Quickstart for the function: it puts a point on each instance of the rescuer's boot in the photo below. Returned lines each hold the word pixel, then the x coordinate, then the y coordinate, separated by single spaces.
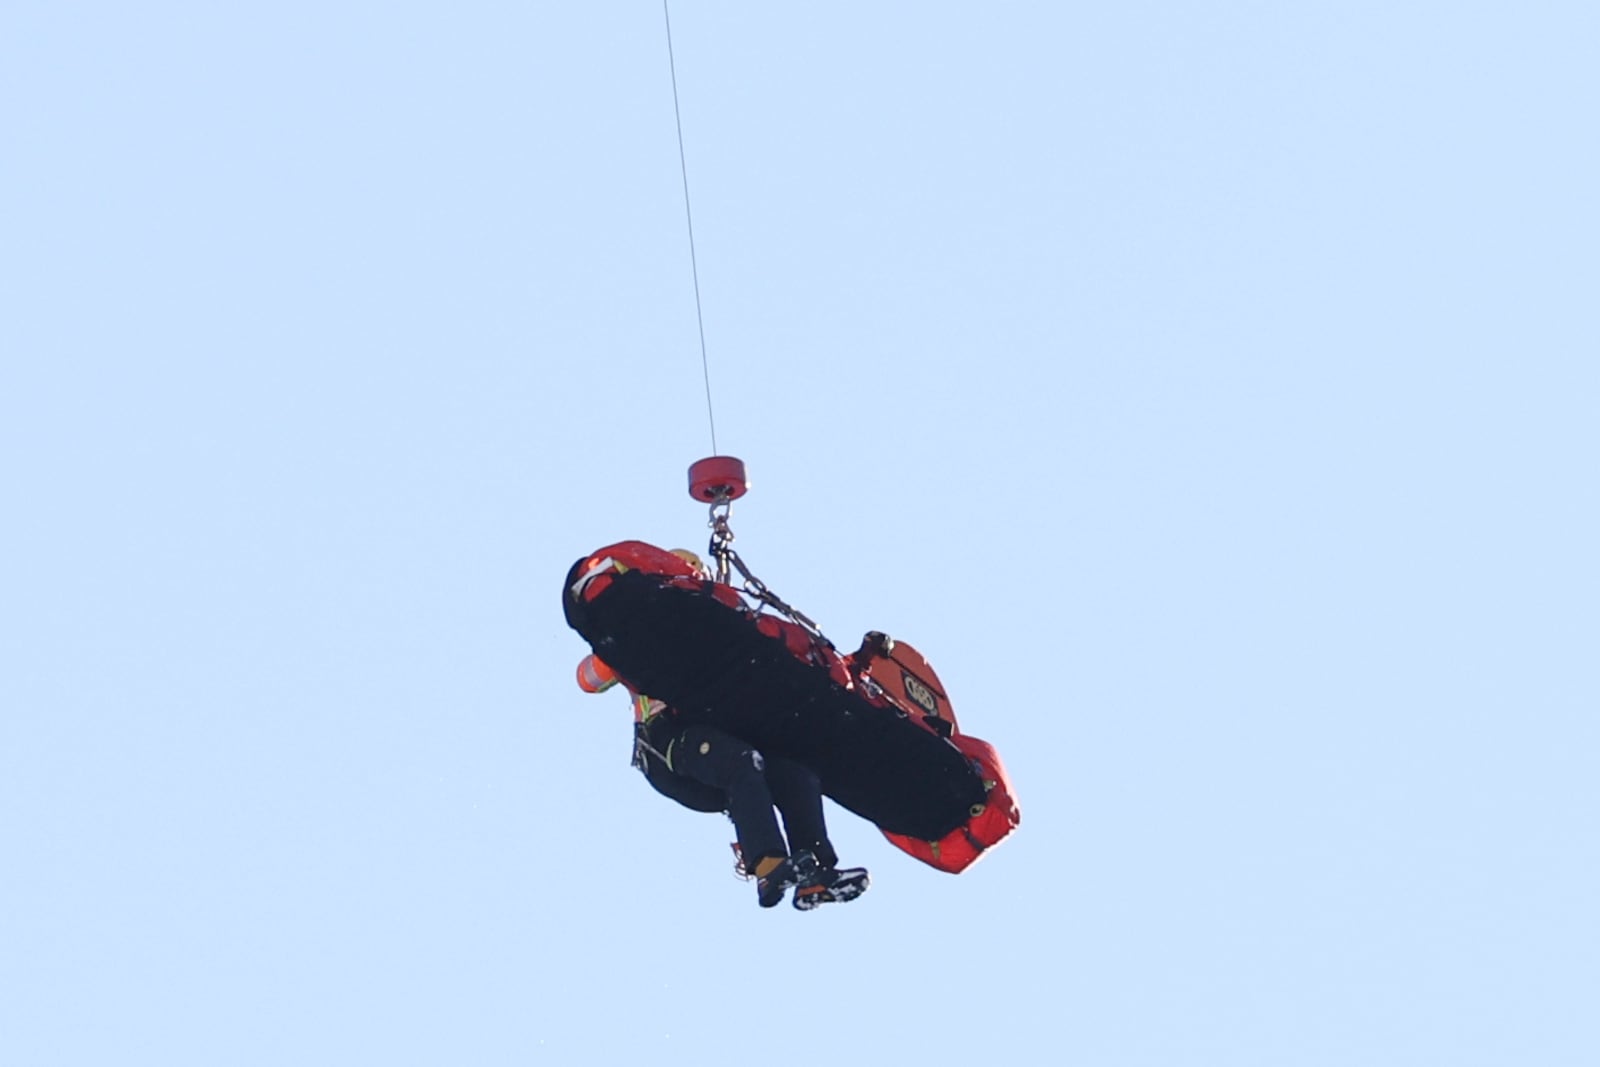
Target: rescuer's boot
pixel 828 885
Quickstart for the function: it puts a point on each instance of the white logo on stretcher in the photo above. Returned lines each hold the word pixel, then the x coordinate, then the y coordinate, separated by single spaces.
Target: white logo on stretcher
pixel 924 697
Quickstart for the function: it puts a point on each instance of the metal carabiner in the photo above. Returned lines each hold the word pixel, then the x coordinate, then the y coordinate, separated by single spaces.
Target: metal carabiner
pixel 721 539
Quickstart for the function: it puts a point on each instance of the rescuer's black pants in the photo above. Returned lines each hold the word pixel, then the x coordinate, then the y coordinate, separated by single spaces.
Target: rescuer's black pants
pixel 713 771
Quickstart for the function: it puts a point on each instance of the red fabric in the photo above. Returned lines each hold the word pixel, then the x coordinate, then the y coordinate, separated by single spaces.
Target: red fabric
pixel 633 556
pixel 802 646
pixel 637 555
pixel 961 847
pixel 794 638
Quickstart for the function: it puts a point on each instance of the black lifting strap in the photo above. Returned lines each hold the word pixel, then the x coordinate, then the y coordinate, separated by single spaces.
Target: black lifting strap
pixel 723 552
pixel 642 746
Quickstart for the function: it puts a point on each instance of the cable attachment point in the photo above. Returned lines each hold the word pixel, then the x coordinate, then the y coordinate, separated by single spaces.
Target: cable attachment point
pixel 717 479
pixel 722 540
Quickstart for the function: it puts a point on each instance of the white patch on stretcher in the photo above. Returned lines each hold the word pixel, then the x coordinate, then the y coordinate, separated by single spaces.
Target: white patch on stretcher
pixel 594 571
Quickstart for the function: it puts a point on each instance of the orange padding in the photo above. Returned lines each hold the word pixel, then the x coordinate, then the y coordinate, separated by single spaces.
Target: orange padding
pixel 962 847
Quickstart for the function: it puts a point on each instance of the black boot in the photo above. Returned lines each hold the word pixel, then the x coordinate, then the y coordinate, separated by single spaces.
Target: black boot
pixel 828 885
pixel 780 874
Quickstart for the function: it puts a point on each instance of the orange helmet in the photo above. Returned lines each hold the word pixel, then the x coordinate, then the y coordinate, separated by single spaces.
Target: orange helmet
pixel 594 676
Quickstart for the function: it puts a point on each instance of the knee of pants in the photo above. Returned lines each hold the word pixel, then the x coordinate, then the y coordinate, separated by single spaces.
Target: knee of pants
pixel 717 758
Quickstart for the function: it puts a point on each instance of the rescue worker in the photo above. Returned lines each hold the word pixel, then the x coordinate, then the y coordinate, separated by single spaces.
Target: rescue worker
pixel 706 769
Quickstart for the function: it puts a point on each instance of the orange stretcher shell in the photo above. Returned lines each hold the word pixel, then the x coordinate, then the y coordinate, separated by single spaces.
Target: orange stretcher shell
pixel 876 726
pixel 908 682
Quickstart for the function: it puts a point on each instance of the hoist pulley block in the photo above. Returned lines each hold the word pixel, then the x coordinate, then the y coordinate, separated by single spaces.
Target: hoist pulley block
pixel 717 479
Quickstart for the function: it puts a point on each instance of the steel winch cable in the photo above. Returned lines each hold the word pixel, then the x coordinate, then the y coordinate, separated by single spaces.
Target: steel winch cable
pixel 694 266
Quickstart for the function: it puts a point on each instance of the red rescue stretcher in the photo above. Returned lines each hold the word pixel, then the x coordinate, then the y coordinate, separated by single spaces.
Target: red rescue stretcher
pixel 877 725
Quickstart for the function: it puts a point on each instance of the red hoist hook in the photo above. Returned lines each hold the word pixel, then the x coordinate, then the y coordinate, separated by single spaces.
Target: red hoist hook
pixel 719 481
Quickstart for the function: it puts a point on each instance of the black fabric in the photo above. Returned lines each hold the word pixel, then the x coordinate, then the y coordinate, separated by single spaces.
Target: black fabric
pixel 797 792
pixel 571 607
pixel 709 662
pixel 710 757
pixel 710 783
pixel 694 795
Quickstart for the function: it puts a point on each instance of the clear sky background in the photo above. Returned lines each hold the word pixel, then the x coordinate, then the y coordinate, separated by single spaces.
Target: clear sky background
pixel 1209 390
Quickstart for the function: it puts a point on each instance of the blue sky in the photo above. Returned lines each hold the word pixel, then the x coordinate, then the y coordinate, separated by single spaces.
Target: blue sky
pixel 1209 391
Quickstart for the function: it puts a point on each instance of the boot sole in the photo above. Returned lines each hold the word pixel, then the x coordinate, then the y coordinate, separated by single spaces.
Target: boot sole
pixel 808 899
